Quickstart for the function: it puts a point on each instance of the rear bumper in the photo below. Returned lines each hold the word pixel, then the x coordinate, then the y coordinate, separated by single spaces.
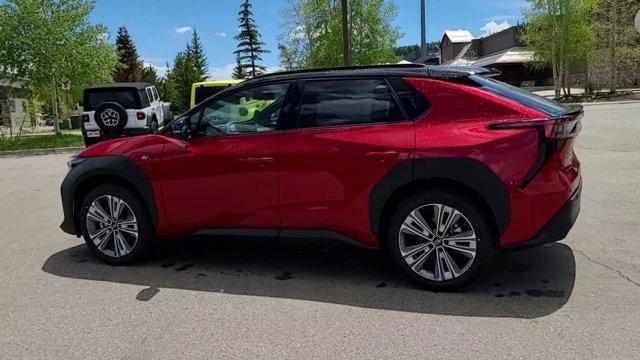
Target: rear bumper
pixel 557 228
pixel 125 132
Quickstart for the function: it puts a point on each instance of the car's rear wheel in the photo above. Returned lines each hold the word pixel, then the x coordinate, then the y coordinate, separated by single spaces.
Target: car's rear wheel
pixel 440 239
pixel 116 225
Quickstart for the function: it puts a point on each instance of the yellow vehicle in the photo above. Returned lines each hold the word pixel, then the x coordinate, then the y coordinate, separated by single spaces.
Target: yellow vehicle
pixel 202 90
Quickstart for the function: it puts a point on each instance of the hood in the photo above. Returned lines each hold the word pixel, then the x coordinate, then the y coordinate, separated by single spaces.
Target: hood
pixel 122 146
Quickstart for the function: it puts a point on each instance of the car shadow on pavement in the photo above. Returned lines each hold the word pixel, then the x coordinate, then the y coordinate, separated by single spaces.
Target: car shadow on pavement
pixel 526 284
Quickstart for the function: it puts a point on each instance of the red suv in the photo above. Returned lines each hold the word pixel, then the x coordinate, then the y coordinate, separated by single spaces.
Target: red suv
pixel 439 166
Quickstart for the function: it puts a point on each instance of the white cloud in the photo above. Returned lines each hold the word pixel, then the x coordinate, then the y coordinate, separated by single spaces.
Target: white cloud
pixel 493 27
pixel 161 70
pixel 220 34
pixel 225 72
pixel 183 29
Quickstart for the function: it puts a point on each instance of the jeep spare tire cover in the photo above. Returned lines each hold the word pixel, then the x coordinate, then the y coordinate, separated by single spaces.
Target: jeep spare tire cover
pixel 111 118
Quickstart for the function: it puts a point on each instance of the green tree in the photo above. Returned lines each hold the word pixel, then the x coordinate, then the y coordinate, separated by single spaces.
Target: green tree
pixel 561 35
pixel 250 48
pixel 312 33
pixel 189 67
pixel 197 58
pixel 49 42
pixel 238 69
pixel 129 67
pixel 150 75
pixel 616 34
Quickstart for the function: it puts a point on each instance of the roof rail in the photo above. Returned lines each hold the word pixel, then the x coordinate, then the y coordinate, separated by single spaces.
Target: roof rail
pixel 447 71
pixel 344 68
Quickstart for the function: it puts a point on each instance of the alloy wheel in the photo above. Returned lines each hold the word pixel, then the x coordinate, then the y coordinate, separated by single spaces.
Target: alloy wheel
pixel 437 242
pixel 112 226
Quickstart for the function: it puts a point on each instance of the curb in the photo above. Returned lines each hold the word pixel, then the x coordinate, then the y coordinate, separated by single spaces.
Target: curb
pixel 33 152
pixel 621 102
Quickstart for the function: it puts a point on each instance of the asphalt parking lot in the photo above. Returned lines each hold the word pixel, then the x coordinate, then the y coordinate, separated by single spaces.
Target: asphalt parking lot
pixel 210 298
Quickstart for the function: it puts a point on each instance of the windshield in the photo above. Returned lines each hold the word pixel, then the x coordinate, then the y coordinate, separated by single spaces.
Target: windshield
pixel 520 96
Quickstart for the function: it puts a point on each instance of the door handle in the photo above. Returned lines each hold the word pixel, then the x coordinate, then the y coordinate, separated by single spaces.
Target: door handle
pixel 259 160
pixel 383 154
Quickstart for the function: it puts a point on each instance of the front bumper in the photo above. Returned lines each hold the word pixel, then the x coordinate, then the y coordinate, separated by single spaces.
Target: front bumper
pixel 557 228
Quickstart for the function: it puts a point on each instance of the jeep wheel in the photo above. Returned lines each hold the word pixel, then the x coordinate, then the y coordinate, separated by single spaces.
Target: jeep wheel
pixel 111 118
pixel 440 239
pixel 116 225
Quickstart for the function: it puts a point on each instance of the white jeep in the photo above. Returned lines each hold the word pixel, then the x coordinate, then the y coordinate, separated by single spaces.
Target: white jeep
pixel 122 109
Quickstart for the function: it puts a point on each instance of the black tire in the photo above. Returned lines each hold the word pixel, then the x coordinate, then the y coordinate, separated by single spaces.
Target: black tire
pixel 146 233
pixel 111 118
pixel 153 127
pixel 474 216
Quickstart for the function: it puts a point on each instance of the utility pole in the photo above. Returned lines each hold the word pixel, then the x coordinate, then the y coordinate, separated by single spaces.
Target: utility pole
pixel 54 106
pixel 423 31
pixel 345 33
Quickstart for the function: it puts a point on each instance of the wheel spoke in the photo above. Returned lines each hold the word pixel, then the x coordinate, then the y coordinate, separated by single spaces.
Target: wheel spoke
pixel 438 272
pixel 102 241
pixel 121 245
pixel 417 264
pixel 412 250
pixel 453 217
pixel 451 264
pixel 98 214
pixel 116 206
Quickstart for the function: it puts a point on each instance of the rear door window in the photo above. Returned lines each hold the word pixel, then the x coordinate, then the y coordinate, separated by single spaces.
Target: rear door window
pixel 96 97
pixel 520 96
pixel 412 101
pixel 347 102
pixel 144 99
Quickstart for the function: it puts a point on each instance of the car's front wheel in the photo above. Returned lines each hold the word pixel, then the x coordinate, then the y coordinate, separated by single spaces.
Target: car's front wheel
pixel 440 239
pixel 116 225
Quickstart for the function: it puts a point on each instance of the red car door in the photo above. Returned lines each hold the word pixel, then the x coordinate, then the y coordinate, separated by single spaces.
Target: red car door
pixel 347 135
pixel 226 177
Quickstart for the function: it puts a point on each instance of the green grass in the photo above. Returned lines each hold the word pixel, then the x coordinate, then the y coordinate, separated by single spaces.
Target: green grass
pixel 41 142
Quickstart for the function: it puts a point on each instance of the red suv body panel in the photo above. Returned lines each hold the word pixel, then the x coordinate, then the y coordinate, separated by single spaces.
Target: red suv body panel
pixel 323 178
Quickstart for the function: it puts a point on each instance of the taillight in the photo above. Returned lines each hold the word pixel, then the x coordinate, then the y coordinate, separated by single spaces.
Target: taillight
pixel 85 118
pixel 141 116
pixel 554 133
pixel 560 127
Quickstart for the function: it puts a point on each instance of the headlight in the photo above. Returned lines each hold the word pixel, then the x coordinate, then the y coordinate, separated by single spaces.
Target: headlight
pixel 75 161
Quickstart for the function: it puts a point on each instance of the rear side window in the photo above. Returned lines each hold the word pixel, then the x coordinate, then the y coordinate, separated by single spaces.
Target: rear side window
pixel 347 102
pixel 96 97
pixel 412 101
pixel 155 93
pixel 520 96
pixel 144 99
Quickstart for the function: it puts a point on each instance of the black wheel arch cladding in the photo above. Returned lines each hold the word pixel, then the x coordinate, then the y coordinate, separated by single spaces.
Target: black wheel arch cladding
pixel 101 169
pixel 468 172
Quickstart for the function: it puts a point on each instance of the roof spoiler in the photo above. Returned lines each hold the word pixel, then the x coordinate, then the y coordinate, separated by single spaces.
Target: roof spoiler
pixel 448 72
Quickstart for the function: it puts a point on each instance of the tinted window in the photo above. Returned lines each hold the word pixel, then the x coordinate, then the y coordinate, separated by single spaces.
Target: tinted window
pixel 150 95
pixel 412 101
pixel 246 111
pixel 144 99
pixel 205 92
pixel 347 102
pixel 96 97
pixel 520 96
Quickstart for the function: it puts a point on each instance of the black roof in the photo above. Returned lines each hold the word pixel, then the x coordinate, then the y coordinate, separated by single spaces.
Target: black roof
pixel 404 70
pixel 129 85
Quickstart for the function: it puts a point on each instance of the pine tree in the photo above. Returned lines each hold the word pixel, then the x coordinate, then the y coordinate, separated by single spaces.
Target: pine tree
pixel 238 70
pixel 129 67
pixel 197 58
pixel 150 75
pixel 249 46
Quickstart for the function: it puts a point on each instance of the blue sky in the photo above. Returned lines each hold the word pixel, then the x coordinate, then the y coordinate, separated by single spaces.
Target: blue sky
pixel 161 28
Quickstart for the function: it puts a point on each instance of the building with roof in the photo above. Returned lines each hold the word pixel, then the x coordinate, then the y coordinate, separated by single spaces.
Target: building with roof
pixel 503 51
pixel 14 102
